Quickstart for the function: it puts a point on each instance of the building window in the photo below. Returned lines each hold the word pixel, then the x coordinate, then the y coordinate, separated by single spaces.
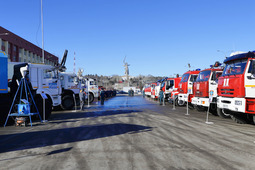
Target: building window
pixel 3 45
pixel 14 57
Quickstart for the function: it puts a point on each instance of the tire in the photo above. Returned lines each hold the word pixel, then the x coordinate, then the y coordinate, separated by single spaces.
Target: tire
pixel 180 103
pixel 199 108
pixel 238 118
pixel 213 109
pixel 67 102
pixel 221 114
pixel 91 97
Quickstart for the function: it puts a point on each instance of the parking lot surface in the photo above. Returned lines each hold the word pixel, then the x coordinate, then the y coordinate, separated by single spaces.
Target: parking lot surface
pixel 129 133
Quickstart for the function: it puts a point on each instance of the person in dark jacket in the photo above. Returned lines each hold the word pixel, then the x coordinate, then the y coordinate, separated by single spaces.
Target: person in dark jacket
pixel 102 96
pixel 161 96
pixel 82 98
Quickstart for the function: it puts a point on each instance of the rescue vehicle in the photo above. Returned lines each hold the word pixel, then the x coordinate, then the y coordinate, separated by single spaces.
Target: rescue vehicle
pixel 70 90
pixel 168 85
pixel 147 90
pixel 236 88
pixel 205 89
pixel 185 91
pixel 42 79
pixel 153 89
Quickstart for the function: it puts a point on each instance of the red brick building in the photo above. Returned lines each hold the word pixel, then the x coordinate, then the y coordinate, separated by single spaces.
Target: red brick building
pixel 21 50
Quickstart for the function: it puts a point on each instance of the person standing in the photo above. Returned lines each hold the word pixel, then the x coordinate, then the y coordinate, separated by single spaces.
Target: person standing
pixel 143 94
pixel 82 98
pixel 161 96
pixel 102 95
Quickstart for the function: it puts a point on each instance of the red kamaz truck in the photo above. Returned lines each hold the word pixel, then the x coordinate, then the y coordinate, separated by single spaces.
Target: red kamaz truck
pixel 236 88
pixel 186 87
pixel 168 85
pixel 205 88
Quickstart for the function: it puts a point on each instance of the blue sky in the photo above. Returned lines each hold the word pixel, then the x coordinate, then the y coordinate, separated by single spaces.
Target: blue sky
pixel 159 37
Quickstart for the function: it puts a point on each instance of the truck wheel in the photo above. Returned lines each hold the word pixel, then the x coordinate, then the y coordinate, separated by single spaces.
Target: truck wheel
pixel 67 103
pixel 221 114
pixel 199 108
pixel 239 118
pixel 181 103
pixel 213 109
pixel 91 97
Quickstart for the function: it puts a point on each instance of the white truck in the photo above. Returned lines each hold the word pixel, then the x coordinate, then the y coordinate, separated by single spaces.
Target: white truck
pixel 70 90
pixel 92 88
pixel 41 78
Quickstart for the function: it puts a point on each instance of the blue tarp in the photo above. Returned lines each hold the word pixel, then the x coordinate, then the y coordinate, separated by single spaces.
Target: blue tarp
pixel 3 73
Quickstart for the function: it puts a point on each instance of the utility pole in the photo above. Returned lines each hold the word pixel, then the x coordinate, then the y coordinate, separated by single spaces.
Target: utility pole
pixel 42 31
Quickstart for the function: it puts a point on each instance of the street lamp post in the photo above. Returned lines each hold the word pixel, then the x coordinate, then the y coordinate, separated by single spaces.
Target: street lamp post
pixel 42 31
pixel 224 52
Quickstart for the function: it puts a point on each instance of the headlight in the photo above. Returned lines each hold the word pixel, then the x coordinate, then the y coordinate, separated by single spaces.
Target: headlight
pixel 238 102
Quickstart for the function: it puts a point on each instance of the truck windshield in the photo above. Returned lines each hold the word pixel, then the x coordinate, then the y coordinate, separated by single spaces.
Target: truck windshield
pixel 71 79
pixel 234 68
pixel 185 78
pixel 193 78
pixel 204 76
pixel 170 84
pixel 93 83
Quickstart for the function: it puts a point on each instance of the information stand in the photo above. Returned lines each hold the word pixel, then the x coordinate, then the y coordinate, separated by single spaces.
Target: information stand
pixel 207 114
pixel 187 105
pixel 74 103
pixel 174 101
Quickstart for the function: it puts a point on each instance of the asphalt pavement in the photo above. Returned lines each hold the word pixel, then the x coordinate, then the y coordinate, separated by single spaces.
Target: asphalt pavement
pixel 129 133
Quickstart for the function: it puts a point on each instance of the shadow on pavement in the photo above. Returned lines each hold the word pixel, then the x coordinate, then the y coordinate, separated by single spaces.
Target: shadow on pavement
pixel 30 140
pixel 77 115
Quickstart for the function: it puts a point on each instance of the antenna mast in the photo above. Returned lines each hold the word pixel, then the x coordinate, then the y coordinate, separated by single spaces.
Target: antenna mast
pixel 74 63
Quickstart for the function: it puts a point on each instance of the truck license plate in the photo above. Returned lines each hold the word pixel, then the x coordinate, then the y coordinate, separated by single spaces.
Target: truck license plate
pixel 225 106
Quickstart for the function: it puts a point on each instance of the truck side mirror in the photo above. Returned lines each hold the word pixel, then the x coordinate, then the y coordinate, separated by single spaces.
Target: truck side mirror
pixel 76 80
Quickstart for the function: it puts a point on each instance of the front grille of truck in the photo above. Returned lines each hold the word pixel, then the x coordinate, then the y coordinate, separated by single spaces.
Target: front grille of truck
pixel 227 91
pixel 199 94
pixel 226 101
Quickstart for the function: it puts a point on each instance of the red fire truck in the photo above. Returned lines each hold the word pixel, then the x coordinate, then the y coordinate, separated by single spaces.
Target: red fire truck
pixel 205 88
pixel 154 87
pixel 149 89
pixel 236 88
pixel 186 87
pixel 168 85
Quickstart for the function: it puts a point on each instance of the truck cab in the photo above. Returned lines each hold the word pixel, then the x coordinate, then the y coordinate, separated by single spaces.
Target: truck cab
pixel 92 88
pixel 186 87
pixel 70 90
pixel 147 90
pixel 169 85
pixel 153 89
pixel 42 79
pixel 236 88
pixel 205 89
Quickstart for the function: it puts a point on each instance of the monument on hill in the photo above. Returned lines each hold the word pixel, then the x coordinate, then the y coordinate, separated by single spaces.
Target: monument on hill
pixel 126 70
